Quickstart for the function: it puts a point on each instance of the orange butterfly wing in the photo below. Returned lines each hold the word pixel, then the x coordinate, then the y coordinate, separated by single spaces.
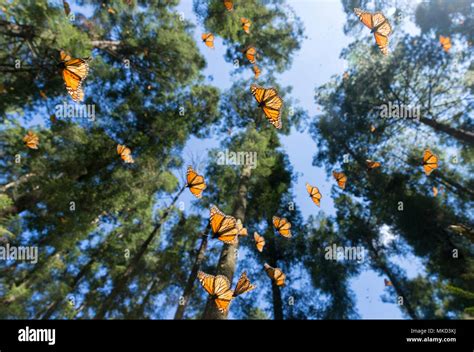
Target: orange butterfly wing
pixel 245 24
pixel 372 164
pixel 259 241
pixel 243 285
pixel 208 39
pixel 256 71
pixel 218 287
pixel 276 274
pixel 195 182
pixel 229 5
pixel 283 226
pixel 364 17
pixel 251 54
pixel 125 153
pixel 430 162
pixel 270 102
pixel 31 140
pixel 223 226
pixel 341 179
pixel 314 194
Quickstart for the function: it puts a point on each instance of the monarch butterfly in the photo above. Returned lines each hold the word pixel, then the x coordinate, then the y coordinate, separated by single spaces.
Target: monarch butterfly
pixel 270 102
pixel 208 39
pixel 372 128
pixel 314 194
pixel 243 285
pixel 67 8
pixel 372 164
pixel 283 226
pixel 241 230
pixel 387 282
pixel 229 5
pixel 251 54
pixel 378 25
pixel 259 241
pixel 223 226
pixel 218 287
pixel 445 43
pixel 345 76
pixel 31 140
pixel 430 162
pixel 74 71
pixel 245 24
pixel 43 95
pixel 341 179
pixel 275 274
pixel 256 71
pixel 195 182
pixel 125 153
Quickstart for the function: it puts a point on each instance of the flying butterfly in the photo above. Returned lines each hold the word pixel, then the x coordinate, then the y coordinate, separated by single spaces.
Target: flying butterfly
pixel 208 39
pixel 125 153
pixel 243 285
pixel 314 194
pixel 223 226
pixel 195 182
pixel 430 162
pixel 282 225
pixel 270 102
pixel 229 5
pixel 378 25
pixel 218 287
pixel 31 140
pixel 341 179
pixel 372 164
pixel 387 282
pixel 256 71
pixel 74 71
pixel 241 230
pixel 251 54
pixel 372 128
pixel 277 276
pixel 245 24
pixel 445 43
pixel 259 241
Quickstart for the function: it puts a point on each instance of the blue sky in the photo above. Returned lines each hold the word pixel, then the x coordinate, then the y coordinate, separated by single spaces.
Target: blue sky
pixel 313 65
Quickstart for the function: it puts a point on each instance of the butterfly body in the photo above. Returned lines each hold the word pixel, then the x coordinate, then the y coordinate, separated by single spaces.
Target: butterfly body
pixel 31 140
pixel 276 274
pixel 378 25
pixel 223 226
pixel 74 71
pixel 270 102
pixel 430 162
pixel 195 182
pixel 283 226
pixel 218 288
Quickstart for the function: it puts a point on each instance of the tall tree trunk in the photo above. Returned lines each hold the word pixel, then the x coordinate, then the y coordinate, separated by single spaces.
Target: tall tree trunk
pixel 188 290
pixel 272 259
pixel 459 134
pixel 132 268
pixel 380 263
pixel 228 257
